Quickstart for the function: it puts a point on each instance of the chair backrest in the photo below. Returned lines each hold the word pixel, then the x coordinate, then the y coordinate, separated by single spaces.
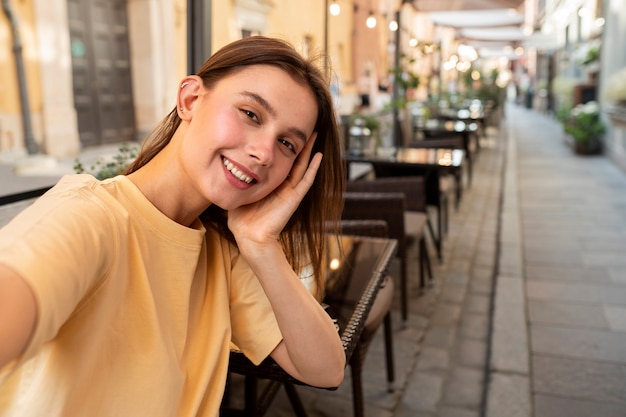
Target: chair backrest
pixel 371 228
pixel 413 187
pixel 448 142
pixel 389 207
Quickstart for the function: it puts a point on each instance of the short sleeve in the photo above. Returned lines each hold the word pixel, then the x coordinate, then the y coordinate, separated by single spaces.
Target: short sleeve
pixel 255 330
pixel 61 246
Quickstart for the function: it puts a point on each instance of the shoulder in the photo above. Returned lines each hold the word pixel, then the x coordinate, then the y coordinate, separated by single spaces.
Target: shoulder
pixel 77 193
pixel 76 206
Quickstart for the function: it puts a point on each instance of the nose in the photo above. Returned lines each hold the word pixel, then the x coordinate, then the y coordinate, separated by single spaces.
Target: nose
pixel 261 147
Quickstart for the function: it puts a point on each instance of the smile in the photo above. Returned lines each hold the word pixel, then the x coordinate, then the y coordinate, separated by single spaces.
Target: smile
pixel 236 173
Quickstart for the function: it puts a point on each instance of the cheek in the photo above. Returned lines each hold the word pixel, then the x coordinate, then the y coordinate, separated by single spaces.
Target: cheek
pixel 222 130
pixel 281 173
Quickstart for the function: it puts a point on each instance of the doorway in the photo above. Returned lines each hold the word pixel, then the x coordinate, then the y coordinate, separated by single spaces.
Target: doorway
pixel 102 83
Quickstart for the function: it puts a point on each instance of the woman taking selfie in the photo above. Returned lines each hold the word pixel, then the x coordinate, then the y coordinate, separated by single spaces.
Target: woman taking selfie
pixel 121 297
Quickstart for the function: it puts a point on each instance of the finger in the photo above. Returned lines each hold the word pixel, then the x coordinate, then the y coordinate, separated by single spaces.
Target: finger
pixel 302 162
pixel 309 176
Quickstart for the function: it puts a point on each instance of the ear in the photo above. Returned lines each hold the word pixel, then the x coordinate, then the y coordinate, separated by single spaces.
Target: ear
pixel 188 92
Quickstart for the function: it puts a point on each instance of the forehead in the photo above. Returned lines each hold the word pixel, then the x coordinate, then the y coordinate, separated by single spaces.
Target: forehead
pixel 279 88
pixel 265 73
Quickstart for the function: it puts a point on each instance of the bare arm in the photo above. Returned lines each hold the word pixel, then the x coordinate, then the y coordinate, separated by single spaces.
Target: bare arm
pixel 18 314
pixel 311 349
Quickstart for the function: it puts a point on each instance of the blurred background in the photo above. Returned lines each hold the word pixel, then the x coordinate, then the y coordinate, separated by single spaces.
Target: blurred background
pixel 81 73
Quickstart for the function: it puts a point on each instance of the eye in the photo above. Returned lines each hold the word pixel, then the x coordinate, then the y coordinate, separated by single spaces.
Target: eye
pixel 287 144
pixel 251 115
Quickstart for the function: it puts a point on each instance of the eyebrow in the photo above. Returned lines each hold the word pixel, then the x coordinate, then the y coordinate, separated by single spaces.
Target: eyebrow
pixel 268 107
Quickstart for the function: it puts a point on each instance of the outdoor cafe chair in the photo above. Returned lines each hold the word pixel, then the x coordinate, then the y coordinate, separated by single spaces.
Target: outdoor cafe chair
pixel 380 313
pixel 392 208
pixel 416 216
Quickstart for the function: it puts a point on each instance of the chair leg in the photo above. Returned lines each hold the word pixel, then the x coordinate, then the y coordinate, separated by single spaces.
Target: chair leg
pixel 458 178
pixel 404 288
pixel 357 387
pixel 439 240
pixel 445 215
pixel 431 231
pixel 422 266
pixel 251 393
pixel 294 399
pixel 425 258
pixel 389 350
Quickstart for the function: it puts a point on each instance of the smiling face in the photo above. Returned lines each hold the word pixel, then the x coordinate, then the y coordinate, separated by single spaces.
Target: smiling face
pixel 245 133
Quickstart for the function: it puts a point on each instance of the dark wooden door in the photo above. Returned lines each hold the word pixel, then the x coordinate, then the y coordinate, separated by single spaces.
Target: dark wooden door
pixel 101 71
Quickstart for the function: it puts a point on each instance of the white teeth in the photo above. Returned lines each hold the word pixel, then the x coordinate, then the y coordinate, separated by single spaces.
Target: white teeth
pixel 238 174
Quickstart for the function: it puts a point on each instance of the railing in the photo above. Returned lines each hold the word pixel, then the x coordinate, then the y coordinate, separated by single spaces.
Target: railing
pixel 11 205
pixel 25 195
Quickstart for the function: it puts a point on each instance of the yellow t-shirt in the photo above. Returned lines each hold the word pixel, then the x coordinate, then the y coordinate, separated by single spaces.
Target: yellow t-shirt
pixel 135 311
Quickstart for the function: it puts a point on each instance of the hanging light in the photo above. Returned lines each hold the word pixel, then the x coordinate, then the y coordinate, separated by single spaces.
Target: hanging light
pixel 371 21
pixel 334 8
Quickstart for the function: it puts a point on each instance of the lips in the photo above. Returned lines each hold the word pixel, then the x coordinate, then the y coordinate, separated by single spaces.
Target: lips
pixel 236 173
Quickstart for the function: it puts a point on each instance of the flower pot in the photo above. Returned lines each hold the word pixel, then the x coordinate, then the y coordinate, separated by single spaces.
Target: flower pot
pixel 592 146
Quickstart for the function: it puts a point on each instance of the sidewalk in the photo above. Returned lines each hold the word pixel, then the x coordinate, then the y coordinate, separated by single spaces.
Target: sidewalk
pixel 527 316
pixel 562 277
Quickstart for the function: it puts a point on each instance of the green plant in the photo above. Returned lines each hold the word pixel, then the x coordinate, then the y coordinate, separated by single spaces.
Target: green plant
pixel 370 121
pixel 104 168
pixel 588 52
pixel 490 92
pixel 405 79
pixel 584 122
pixel 592 55
pixel 562 113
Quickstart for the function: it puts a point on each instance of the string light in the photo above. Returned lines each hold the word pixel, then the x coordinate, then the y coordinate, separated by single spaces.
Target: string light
pixel 334 8
pixel 371 21
pixel 393 26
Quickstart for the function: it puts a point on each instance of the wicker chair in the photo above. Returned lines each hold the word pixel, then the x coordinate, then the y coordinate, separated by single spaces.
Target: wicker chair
pixel 380 313
pixel 392 208
pixel 416 216
pixel 435 188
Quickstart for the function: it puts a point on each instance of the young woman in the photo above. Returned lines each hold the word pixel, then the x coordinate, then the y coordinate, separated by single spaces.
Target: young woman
pixel 122 297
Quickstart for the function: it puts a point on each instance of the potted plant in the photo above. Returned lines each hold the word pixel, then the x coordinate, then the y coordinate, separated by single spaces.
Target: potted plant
pixel 586 128
pixel 111 166
pixel 364 134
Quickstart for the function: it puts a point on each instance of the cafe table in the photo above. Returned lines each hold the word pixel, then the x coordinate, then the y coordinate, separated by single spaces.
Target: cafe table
pixel 356 268
pixel 431 163
pixel 435 128
pixel 471 114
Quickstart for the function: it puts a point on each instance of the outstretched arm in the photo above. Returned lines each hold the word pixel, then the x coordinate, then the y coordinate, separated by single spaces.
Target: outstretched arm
pixel 311 349
pixel 18 313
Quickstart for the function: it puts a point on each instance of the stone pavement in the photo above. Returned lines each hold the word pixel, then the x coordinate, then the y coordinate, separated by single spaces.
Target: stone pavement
pixel 560 312
pixel 527 315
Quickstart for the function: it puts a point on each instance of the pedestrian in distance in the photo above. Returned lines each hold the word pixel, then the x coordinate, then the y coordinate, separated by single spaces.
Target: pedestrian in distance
pixel 124 297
